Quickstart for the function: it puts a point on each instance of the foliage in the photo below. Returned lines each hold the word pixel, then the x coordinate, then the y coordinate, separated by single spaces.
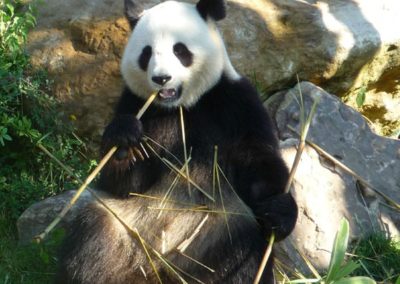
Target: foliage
pixel 379 257
pixel 28 116
pixel 339 270
pixel 361 96
pixel 30 263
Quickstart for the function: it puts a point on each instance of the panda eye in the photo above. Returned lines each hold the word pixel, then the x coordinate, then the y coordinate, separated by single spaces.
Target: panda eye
pixel 183 54
pixel 144 57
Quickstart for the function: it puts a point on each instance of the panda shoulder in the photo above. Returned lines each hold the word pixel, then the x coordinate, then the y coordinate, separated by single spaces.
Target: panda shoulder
pixel 241 90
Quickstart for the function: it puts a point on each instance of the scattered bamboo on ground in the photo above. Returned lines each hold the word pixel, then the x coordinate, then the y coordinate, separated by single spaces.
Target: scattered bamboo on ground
pixel 282 267
pixel 307 261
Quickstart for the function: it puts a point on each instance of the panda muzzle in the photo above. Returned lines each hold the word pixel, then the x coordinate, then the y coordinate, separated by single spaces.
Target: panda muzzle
pixel 167 94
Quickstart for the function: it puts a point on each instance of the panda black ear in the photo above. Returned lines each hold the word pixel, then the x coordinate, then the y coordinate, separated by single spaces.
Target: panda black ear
pixel 130 13
pixel 214 9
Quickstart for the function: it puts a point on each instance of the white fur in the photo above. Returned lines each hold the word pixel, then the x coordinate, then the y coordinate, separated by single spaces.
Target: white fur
pixel 163 26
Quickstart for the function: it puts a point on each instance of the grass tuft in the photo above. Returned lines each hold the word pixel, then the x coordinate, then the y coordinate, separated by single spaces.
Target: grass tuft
pixel 379 257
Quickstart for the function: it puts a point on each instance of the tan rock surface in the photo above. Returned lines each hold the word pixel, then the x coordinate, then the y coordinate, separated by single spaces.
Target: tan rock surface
pixel 327 42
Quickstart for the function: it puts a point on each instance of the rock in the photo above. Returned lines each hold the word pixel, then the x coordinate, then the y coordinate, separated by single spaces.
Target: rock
pixel 37 217
pixel 382 99
pixel 341 45
pixel 324 191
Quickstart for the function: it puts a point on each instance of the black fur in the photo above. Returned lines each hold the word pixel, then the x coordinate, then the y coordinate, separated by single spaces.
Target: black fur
pixel 144 57
pixel 215 9
pixel 231 116
pixel 183 54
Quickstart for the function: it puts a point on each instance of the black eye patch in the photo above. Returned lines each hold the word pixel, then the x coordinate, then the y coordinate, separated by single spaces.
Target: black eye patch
pixel 183 54
pixel 144 57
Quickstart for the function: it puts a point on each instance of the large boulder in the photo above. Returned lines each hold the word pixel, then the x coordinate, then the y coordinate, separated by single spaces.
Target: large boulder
pixel 339 44
pixel 325 190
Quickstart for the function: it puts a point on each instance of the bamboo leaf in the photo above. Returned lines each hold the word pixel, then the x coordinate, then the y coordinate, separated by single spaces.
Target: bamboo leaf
pixel 347 269
pixel 338 251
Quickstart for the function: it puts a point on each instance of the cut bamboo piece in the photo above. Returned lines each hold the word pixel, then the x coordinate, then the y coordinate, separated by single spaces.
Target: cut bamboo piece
pixel 88 180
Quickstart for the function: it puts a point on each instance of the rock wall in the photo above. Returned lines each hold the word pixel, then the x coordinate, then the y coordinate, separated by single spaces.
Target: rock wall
pixel 341 45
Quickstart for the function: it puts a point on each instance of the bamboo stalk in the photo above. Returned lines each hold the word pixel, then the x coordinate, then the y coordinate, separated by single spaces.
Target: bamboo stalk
pixel 88 180
pixel 296 162
pixel 67 207
pixel 185 148
pixel 265 258
pixel 305 126
pixel 305 123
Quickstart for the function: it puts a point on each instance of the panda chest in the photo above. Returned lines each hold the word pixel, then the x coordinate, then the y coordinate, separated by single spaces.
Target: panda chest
pixel 196 132
pixel 201 138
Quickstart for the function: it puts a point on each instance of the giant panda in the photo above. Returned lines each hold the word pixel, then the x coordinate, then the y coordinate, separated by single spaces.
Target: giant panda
pixel 213 228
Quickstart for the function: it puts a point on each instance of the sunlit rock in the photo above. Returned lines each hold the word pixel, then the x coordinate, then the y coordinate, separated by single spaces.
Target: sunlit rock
pixel 340 45
pixel 325 191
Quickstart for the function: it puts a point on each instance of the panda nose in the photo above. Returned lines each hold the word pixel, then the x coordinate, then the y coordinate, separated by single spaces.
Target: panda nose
pixel 161 80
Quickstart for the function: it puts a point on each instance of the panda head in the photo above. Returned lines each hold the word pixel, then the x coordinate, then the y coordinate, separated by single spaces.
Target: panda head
pixel 176 50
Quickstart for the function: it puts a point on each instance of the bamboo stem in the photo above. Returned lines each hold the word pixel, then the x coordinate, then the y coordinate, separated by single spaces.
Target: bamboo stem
pixel 88 180
pixel 265 258
pixel 67 207
pixel 295 165
pixel 184 148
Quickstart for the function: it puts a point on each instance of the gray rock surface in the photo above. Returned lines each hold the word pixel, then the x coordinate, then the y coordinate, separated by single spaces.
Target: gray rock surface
pixel 324 191
pixel 342 45
pixel 37 217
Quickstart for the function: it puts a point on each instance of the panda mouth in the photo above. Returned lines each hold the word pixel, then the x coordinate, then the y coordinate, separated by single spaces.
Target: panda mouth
pixel 169 94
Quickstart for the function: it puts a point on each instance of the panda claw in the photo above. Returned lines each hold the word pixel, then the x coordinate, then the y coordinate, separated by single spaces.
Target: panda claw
pixel 138 153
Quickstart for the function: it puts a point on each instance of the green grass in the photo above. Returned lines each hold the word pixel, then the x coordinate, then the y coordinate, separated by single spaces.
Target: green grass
pixel 32 263
pixel 379 257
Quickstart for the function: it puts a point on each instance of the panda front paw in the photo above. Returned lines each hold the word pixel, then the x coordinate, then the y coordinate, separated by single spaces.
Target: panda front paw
pixel 125 132
pixel 277 214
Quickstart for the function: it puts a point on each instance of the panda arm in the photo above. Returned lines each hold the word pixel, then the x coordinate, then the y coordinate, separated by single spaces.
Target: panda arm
pixel 261 178
pixel 128 103
pixel 125 130
pixel 260 171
